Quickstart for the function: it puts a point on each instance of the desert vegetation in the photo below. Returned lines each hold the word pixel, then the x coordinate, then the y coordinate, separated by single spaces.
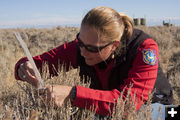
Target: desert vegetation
pixel 18 100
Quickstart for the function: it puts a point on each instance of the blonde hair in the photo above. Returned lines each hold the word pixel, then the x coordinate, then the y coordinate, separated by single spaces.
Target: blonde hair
pixel 111 25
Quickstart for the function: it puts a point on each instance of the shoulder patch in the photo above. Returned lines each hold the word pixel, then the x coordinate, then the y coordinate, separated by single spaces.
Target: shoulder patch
pixel 149 56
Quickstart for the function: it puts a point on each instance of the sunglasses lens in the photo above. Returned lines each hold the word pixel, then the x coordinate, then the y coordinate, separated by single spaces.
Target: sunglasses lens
pixel 88 48
pixel 91 49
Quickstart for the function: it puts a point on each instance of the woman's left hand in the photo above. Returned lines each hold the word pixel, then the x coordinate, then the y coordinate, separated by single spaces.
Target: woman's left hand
pixel 56 94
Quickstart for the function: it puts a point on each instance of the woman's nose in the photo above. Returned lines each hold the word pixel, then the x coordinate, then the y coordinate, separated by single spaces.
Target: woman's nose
pixel 84 52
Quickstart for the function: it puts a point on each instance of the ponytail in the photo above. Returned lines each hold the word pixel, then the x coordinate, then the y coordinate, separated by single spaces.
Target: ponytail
pixel 128 26
pixel 127 33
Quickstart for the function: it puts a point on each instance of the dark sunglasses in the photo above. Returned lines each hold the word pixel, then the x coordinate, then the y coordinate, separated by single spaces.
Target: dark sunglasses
pixel 91 48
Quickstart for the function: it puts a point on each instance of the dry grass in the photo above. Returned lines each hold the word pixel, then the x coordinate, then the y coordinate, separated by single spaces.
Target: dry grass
pixel 16 104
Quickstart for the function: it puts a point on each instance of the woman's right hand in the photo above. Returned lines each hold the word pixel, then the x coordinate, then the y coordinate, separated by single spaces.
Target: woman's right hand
pixel 26 73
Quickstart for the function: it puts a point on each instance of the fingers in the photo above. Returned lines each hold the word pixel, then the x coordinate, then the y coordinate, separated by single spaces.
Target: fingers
pixel 21 74
pixel 26 73
pixel 31 79
pixel 47 97
pixel 56 95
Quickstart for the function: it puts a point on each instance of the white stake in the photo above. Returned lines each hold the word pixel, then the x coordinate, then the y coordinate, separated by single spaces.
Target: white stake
pixel 23 45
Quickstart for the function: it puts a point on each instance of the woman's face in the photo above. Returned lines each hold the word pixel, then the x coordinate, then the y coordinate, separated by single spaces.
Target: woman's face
pixel 89 36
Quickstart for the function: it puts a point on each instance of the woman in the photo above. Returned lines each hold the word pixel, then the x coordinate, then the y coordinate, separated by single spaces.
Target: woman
pixel 113 55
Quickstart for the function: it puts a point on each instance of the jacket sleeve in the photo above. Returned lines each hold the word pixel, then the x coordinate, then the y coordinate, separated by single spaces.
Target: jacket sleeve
pixel 142 76
pixel 62 55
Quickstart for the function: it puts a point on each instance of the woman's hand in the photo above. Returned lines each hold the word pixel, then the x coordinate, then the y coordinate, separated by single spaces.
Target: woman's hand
pixel 55 95
pixel 26 73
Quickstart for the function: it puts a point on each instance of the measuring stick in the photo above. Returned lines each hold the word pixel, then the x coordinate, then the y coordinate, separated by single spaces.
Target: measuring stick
pixel 23 45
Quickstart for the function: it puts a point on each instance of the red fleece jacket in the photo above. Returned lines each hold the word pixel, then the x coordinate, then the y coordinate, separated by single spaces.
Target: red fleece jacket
pixel 142 75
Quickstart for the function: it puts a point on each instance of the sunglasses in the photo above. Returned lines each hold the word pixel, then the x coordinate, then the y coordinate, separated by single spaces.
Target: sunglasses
pixel 91 48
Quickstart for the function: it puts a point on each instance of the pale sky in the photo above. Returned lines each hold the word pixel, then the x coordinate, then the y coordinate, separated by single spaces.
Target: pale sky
pixel 48 13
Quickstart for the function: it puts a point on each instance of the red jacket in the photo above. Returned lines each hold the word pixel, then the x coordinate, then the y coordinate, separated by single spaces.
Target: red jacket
pixel 142 75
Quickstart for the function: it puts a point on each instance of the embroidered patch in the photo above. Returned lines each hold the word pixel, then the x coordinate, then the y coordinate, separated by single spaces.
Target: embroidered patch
pixel 149 56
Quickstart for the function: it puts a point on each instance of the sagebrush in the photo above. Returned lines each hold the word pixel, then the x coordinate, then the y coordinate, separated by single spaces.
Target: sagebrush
pixel 20 101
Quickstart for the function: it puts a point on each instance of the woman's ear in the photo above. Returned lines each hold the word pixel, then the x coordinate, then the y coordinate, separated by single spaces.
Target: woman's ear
pixel 115 45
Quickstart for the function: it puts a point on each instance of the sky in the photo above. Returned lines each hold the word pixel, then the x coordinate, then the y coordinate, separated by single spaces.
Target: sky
pixel 50 13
